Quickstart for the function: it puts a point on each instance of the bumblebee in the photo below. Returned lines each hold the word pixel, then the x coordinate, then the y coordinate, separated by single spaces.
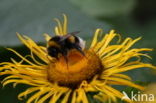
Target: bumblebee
pixel 61 45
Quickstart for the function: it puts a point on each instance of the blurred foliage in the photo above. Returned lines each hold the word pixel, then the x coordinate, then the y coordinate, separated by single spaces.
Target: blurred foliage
pixel 105 8
pixel 36 17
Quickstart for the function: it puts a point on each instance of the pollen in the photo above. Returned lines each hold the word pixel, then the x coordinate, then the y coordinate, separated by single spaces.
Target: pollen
pixel 77 69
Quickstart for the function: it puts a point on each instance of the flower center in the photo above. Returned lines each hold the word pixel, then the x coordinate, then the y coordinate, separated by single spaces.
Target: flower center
pixel 76 69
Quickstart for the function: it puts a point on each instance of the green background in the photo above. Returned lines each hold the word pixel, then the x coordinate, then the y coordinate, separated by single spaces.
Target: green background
pixel 130 18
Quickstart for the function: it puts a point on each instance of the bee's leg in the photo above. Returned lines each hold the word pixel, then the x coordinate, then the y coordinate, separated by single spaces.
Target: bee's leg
pixel 66 59
pixel 65 56
pixel 80 50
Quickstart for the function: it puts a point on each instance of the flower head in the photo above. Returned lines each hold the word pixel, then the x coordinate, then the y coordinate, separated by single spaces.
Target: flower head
pixel 101 67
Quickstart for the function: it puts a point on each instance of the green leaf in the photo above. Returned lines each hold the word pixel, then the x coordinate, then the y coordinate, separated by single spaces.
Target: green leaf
pixel 105 8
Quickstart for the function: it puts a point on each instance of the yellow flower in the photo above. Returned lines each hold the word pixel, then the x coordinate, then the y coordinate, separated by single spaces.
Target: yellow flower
pixel 96 72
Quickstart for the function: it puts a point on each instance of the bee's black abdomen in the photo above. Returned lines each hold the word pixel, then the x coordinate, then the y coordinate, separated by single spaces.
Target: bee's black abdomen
pixel 76 39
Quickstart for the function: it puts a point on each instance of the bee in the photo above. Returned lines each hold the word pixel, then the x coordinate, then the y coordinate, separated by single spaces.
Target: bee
pixel 61 45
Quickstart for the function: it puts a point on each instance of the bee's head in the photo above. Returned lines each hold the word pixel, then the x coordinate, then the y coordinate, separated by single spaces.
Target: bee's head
pixel 54 48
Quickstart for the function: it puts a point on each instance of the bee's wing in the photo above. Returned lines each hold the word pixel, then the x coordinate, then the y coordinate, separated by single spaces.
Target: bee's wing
pixel 68 35
pixel 64 37
pixel 73 33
